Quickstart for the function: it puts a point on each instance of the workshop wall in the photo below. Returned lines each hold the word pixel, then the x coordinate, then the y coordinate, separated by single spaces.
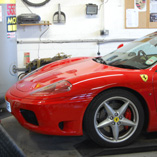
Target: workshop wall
pixel 78 26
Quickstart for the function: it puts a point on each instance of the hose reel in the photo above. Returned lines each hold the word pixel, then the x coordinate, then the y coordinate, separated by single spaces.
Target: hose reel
pixel 36 4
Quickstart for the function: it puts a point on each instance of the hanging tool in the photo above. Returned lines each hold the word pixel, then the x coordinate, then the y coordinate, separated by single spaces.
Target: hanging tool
pixel 59 17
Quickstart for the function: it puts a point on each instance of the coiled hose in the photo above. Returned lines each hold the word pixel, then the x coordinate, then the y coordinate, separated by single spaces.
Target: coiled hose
pixel 36 4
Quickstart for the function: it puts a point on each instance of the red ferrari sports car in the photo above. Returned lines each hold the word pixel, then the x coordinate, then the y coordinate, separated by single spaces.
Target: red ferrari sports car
pixel 110 98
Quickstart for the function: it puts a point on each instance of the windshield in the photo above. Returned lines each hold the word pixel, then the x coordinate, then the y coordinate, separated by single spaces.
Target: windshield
pixel 139 54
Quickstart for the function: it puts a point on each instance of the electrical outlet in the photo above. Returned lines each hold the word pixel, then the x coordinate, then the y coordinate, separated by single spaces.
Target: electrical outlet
pixel 104 32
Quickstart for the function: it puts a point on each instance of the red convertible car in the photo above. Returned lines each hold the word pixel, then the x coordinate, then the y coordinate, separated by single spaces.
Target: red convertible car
pixel 110 98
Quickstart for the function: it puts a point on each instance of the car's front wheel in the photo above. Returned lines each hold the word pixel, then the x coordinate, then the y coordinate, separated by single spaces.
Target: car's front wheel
pixel 114 118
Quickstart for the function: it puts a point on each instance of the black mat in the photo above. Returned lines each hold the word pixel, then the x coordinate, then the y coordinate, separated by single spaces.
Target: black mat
pixel 144 143
pixel 34 144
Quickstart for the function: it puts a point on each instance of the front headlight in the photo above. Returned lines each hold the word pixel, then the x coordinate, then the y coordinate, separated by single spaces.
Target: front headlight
pixel 52 89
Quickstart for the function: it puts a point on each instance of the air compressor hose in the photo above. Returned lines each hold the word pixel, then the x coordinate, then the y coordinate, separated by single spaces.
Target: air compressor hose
pixel 36 4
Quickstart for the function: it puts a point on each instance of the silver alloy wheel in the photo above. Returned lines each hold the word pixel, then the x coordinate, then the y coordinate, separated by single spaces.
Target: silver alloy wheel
pixel 110 119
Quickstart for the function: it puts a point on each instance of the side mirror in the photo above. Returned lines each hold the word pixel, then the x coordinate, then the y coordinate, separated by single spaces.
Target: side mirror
pixel 121 45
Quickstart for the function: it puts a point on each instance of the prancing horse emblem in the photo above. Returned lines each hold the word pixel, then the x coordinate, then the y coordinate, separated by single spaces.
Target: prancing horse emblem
pixel 144 77
pixel 116 119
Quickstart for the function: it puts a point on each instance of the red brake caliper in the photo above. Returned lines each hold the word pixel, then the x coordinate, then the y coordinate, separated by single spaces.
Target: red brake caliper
pixel 127 116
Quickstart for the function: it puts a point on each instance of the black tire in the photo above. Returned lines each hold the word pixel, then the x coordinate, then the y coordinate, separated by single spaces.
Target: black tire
pixel 109 124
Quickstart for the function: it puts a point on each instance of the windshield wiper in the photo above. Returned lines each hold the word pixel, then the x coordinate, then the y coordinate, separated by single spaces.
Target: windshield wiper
pixel 126 66
pixel 99 60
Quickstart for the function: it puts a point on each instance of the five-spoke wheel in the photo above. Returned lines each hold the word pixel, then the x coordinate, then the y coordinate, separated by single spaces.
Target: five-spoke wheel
pixel 114 118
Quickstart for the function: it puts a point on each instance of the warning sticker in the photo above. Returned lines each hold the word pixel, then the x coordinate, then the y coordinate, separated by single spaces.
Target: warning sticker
pixel 11 35
pixel 0 13
pixel 151 60
pixel 11 24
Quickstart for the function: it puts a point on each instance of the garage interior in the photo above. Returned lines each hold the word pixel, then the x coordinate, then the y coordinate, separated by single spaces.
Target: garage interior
pixel 66 29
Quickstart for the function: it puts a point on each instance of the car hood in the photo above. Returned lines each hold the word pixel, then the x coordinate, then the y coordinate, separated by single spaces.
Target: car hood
pixel 61 70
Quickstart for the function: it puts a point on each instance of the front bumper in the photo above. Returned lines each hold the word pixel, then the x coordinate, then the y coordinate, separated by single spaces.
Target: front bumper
pixel 61 116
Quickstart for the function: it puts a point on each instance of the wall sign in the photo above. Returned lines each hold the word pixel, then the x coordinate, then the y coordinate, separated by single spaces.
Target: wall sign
pixel 11 9
pixel 11 24
pixel 11 20
pixel 7 1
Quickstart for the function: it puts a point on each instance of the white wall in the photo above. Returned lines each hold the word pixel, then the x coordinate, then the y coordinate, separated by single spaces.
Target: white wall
pixel 78 27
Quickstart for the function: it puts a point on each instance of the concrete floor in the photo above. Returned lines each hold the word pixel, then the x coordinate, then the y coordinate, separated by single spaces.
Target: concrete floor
pixel 34 144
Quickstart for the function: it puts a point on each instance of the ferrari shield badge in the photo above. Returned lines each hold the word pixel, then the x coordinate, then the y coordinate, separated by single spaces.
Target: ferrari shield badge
pixel 144 77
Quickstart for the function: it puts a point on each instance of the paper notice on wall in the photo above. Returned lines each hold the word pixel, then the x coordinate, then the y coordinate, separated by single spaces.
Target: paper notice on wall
pixel 0 13
pixel 132 18
pixel 153 6
pixel 153 10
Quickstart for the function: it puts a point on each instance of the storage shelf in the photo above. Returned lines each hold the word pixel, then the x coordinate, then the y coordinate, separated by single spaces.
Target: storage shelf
pixel 41 23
